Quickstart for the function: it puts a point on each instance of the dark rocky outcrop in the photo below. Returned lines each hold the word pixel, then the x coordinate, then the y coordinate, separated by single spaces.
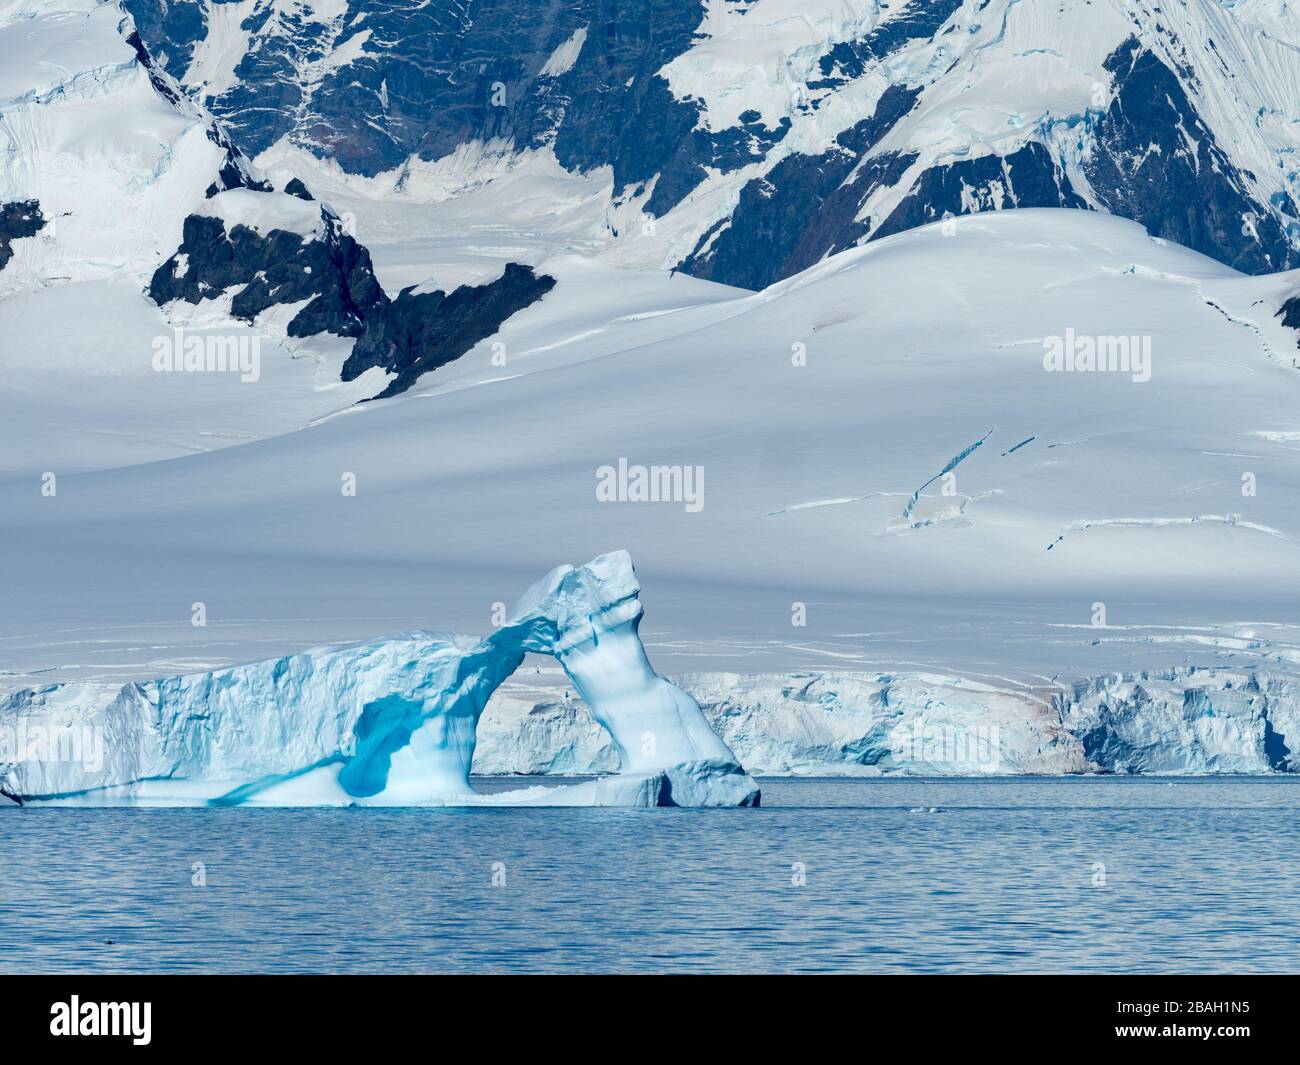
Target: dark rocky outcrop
pixel 330 273
pixel 808 206
pixel 804 208
pixel 1155 161
pixel 295 187
pixel 165 86
pixel 1152 160
pixel 1289 312
pixel 333 272
pixel 850 59
pixel 235 173
pixel 408 336
pixel 447 75
pixel 434 75
pixel 19 219
pixel 417 333
pixel 1029 177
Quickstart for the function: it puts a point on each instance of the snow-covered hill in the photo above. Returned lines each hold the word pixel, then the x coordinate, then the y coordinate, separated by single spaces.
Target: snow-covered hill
pixel 867 481
pixel 126 214
pixel 743 140
pixel 106 159
pixel 1032 467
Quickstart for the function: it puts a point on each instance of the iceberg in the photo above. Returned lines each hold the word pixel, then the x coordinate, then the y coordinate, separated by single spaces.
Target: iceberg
pixel 391 722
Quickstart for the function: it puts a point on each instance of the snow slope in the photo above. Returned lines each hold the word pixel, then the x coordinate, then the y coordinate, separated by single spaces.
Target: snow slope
pixel 761 136
pixel 888 513
pixel 1093 523
pixel 132 228
pixel 115 166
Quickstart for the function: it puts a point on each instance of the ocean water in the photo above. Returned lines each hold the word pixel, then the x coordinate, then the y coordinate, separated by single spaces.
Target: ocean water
pixel 895 875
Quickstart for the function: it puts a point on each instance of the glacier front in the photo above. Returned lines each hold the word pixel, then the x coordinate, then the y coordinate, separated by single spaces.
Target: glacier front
pixel 390 722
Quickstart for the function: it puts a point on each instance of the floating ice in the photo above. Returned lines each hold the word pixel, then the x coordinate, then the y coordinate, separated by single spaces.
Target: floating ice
pixel 390 722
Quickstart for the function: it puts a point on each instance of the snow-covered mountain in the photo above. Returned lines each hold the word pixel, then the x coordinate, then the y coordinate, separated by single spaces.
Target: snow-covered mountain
pixel 865 486
pixel 744 140
pixel 1034 468
pixel 114 183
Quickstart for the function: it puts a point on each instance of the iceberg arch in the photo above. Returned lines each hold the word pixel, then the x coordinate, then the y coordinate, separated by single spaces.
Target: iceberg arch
pixel 393 721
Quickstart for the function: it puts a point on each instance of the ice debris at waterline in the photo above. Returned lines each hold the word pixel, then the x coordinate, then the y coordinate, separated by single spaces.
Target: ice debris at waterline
pixel 391 722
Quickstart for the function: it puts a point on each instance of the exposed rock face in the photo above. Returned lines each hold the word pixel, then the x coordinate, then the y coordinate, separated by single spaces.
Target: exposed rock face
pixel 1155 161
pixel 263 264
pixel 407 337
pixel 1029 177
pixel 416 333
pixel 333 272
pixel 486 73
pixel 18 220
pixel 809 207
pixel 1151 159
pixel 295 187
pixel 235 172
pixel 1289 312
pixel 1128 116
pixel 806 207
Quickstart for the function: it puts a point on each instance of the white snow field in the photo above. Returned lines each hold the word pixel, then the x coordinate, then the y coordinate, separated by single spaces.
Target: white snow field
pixel 1096 524
pixel 887 525
pixel 388 723
pixel 116 169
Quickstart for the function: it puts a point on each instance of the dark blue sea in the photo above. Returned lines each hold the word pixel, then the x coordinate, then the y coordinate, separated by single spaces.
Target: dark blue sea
pixel 895 875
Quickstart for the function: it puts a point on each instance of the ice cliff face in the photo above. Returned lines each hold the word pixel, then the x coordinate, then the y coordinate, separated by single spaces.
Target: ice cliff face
pixel 1177 721
pixel 762 136
pixel 1183 720
pixel 1210 721
pixel 392 722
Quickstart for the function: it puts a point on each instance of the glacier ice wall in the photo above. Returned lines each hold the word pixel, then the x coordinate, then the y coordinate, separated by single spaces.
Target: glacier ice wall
pixel 389 722
pixel 1180 720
